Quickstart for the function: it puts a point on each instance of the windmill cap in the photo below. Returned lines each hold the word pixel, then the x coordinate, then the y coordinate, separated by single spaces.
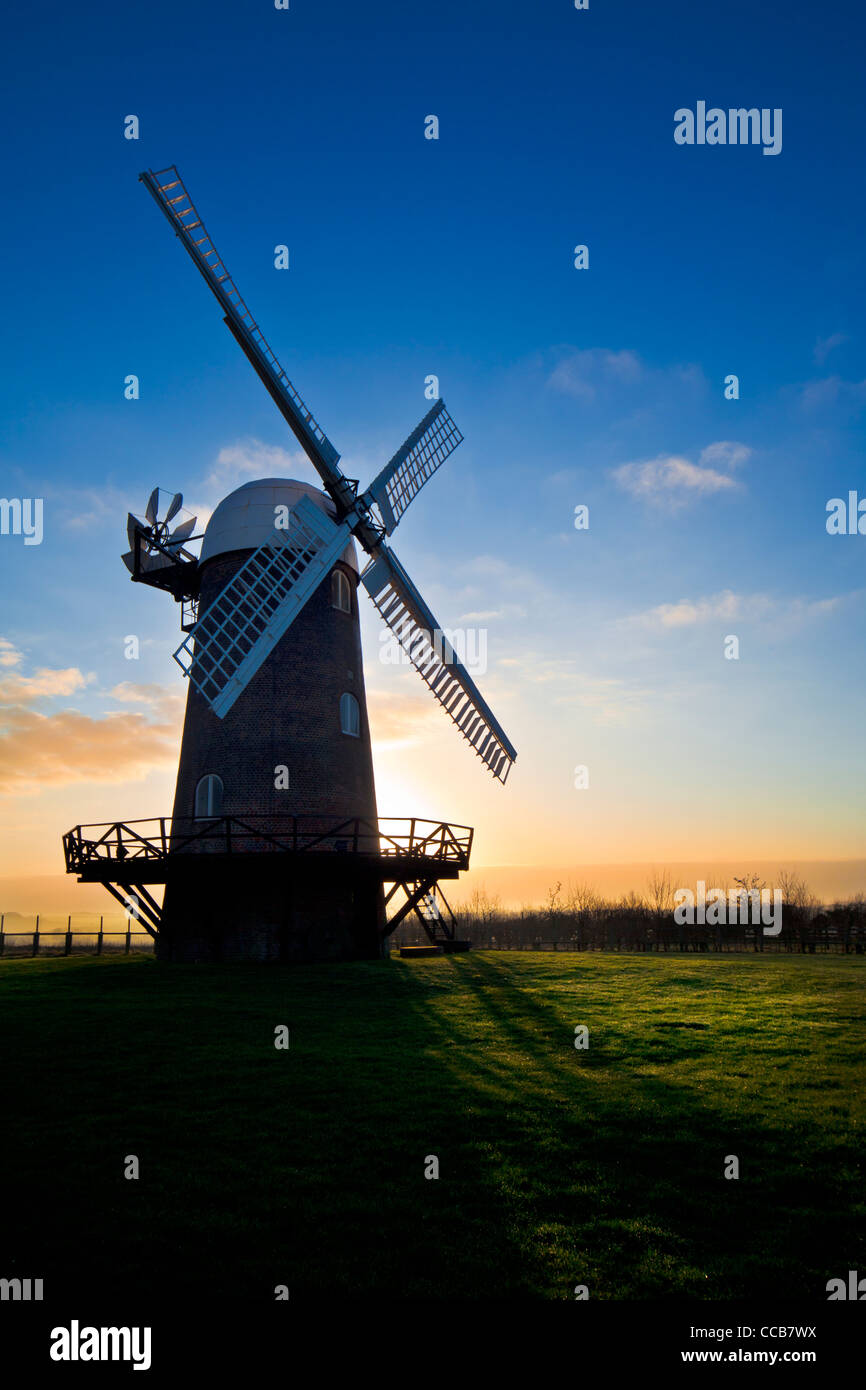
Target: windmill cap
pixel 245 519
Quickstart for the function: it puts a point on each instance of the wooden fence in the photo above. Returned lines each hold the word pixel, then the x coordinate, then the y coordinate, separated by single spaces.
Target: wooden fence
pixel 119 936
pixel 835 931
pixel 769 945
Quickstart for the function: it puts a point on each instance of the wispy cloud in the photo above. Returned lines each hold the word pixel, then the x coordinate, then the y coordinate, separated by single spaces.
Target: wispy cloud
pixel 400 719
pixel 85 509
pixel 824 346
pixel 588 374
pixel 606 699
pixel 727 607
pixel 40 750
pixel 833 392
pixel 45 683
pixel 161 701
pixel 246 459
pixel 725 453
pixel 673 481
pixel 582 374
pixel 9 654
pixel 488 589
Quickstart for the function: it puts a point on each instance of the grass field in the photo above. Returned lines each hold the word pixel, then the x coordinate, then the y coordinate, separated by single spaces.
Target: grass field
pixel 306 1167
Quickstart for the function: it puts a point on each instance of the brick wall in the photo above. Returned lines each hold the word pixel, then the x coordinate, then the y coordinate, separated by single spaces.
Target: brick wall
pixel 289 715
pixel 261 906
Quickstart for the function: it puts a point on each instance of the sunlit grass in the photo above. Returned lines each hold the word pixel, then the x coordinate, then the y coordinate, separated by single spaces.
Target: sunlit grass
pixel 558 1167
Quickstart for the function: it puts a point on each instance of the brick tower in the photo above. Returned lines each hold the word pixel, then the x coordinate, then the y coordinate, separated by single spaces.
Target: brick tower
pixel 295 743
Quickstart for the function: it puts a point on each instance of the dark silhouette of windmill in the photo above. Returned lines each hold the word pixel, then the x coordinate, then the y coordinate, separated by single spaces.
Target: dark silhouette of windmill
pixel 274 849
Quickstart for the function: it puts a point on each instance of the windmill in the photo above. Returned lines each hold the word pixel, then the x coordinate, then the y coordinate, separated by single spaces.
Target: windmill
pixel 265 658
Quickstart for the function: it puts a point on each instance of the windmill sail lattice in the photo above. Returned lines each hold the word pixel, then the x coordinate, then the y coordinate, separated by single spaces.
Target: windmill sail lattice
pixel 233 638
pixel 408 616
pixel 414 464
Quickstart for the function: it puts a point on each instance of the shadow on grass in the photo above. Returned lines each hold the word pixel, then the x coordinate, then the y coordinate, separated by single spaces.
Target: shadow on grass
pixel 627 1167
pixel 306 1167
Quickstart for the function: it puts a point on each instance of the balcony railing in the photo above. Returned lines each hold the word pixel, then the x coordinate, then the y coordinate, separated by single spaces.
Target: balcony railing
pixel 123 843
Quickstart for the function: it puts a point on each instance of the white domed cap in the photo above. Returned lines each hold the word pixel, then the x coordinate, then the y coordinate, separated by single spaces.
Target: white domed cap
pixel 245 519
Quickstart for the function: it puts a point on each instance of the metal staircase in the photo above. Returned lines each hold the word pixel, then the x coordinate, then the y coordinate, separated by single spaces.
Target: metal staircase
pixel 431 907
pixel 438 927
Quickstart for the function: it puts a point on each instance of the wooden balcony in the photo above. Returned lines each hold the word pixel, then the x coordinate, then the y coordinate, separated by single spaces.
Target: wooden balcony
pixel 150 851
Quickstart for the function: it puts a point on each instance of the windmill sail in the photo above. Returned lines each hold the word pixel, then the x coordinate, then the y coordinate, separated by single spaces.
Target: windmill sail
pixel 413 465
pixel 170 194
pixel 408 616
pixel 232 639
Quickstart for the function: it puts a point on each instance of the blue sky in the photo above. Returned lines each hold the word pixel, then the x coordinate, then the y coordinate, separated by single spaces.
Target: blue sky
pixel 454 257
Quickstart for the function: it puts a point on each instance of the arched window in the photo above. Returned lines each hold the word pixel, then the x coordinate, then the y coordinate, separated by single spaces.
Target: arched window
pixel 350 715
pixel 341 593
pixel 209 797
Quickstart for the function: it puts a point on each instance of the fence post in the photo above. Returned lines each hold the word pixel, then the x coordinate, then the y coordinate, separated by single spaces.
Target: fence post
pixel 99 939
pixel 68 944
pixel 2 937
pixel 36 937
pixel 128 933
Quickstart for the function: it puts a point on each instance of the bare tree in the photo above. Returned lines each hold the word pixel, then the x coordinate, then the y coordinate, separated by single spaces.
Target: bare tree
pixel 554 904
pixel 660 891
pixel 796 893
pixel 483 906
pixel 631 901
pixel 582 898
pixel 750 883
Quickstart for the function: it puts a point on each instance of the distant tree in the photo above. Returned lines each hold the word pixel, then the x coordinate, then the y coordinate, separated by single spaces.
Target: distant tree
pixel 750 883
pixel 554 903
pixel 660 891
pixel 796 893
pixel 483 906
pixel 632 902
pixel 582 899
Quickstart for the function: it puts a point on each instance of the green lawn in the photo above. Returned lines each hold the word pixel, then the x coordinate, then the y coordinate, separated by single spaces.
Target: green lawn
pixel 262 1167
